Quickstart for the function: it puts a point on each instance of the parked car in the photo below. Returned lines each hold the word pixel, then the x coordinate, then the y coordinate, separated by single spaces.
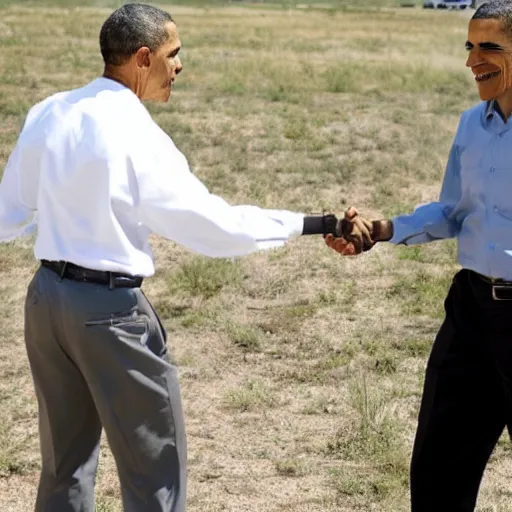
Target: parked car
pixel 448 4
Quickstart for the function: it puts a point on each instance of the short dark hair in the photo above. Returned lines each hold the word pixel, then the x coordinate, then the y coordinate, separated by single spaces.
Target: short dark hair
pixel 131 27
pixel 499 10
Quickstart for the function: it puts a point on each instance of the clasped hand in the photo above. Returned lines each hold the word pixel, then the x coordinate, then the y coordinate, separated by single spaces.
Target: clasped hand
pixel 355 234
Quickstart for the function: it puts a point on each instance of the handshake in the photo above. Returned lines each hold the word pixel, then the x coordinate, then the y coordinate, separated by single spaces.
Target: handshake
pixel 354 234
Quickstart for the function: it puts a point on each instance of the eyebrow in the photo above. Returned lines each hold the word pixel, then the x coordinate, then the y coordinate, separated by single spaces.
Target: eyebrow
pixel 485 46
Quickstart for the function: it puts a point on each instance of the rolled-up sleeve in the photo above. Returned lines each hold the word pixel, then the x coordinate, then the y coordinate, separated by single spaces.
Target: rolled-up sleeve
pixel 436 220
pixel 177 205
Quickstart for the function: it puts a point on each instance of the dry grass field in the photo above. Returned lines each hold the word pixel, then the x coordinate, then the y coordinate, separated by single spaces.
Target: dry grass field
pixel 301 372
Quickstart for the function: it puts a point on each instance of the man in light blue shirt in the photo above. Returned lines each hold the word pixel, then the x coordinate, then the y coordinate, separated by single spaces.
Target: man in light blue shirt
pixel 467 398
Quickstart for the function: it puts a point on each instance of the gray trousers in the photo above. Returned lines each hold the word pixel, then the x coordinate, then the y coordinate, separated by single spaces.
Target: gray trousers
pixel 99 360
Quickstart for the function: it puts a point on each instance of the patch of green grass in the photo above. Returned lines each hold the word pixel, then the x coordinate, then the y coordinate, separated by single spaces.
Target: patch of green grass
pixel 340 79
pixel 252 395
pixel 297 129
pixel 205 277
pixel 366 484
pixel 271 288
pixel 291 467
pixel 421 293
pixel 331 362
pixel 442 252
pixel 12 461
pixel 304 374
pixel 413 253
pixel 18 253
pixel 375 437
pixel 167 309
pixel 247 337
pixel 106 504
pixel 422 78
pixel 319 405
pixel 287 320
pixel 17 109
pixel 386 364
pixel 350 77
pixel 202 318
pixel 413 347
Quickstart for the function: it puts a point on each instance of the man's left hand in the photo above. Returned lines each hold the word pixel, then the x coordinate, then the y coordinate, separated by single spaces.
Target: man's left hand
pixel 353 234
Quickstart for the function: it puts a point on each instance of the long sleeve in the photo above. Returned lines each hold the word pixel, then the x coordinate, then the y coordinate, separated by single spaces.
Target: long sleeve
pixel 176 205
pixel 436 220
pixel 16 218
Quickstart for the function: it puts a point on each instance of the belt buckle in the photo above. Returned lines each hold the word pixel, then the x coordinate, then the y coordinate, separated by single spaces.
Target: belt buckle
pixel 498 287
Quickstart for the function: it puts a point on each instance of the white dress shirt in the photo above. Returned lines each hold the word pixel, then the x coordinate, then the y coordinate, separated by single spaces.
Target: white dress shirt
pixel 98 175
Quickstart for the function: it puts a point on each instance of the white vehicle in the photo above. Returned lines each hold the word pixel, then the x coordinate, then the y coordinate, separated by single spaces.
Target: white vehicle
pixel 447 4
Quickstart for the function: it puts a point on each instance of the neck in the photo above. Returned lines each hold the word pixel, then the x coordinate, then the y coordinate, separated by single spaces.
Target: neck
pixel 118 74
pixel 505 103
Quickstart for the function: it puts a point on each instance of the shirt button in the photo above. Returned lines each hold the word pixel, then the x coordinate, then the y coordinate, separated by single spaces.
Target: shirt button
pixel 491 169
pixel 491 246
pixel 496 209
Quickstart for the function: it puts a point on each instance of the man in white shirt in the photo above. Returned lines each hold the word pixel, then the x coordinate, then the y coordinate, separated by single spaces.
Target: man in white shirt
pixel 101 176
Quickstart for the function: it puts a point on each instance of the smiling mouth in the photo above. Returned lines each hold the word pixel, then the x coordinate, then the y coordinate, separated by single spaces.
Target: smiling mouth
pixel 482 77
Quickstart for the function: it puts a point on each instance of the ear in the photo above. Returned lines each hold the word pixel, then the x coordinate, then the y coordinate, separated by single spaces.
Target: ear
pixel 142 57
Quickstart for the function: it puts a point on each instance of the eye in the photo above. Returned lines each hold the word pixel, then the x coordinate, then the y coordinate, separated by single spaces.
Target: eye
pixel 491 47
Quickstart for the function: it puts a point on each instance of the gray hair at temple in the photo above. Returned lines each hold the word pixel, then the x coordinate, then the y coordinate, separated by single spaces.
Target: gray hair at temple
pixel 131 27
pixel 496 9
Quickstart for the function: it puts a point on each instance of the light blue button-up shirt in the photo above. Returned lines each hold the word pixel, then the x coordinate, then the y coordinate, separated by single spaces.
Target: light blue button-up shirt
pixel 475 204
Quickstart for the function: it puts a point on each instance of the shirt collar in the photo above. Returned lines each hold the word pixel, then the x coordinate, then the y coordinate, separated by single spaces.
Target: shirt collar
pixel 108 84
pixel 492 108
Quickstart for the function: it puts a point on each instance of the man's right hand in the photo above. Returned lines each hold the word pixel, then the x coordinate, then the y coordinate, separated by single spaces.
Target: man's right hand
pixel 356 234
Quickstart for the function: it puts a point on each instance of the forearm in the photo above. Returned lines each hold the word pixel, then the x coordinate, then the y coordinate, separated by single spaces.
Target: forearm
pixel 183 210
pixel 426 224
pixel 218 230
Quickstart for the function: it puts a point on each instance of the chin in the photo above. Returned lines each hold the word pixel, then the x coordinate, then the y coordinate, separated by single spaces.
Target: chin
pixel 162 98
pixel 166 96
pixel 486 97
pixel 489 95
pixel 159 97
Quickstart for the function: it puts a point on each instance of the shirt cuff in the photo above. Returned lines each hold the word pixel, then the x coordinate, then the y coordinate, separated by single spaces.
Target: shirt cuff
pixel 296 224
pixel 404 236
pixel 292 223
pixel 397 236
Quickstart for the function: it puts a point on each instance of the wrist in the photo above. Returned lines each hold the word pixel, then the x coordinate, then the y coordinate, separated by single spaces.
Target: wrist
pixel 382 230
pixel 319 224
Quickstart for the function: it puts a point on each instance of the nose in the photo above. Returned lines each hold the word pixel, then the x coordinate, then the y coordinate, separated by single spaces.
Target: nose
pixel 179 66
pixel 474 59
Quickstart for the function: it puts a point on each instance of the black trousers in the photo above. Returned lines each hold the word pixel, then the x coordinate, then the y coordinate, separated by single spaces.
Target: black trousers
pixel 466 400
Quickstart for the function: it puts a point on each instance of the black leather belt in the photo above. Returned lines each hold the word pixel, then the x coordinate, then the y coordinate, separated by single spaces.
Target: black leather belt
pixel 500 289
pixel 86 275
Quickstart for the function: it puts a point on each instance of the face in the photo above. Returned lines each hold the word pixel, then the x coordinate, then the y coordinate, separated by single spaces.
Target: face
pixel 158 70
pixel 490 57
